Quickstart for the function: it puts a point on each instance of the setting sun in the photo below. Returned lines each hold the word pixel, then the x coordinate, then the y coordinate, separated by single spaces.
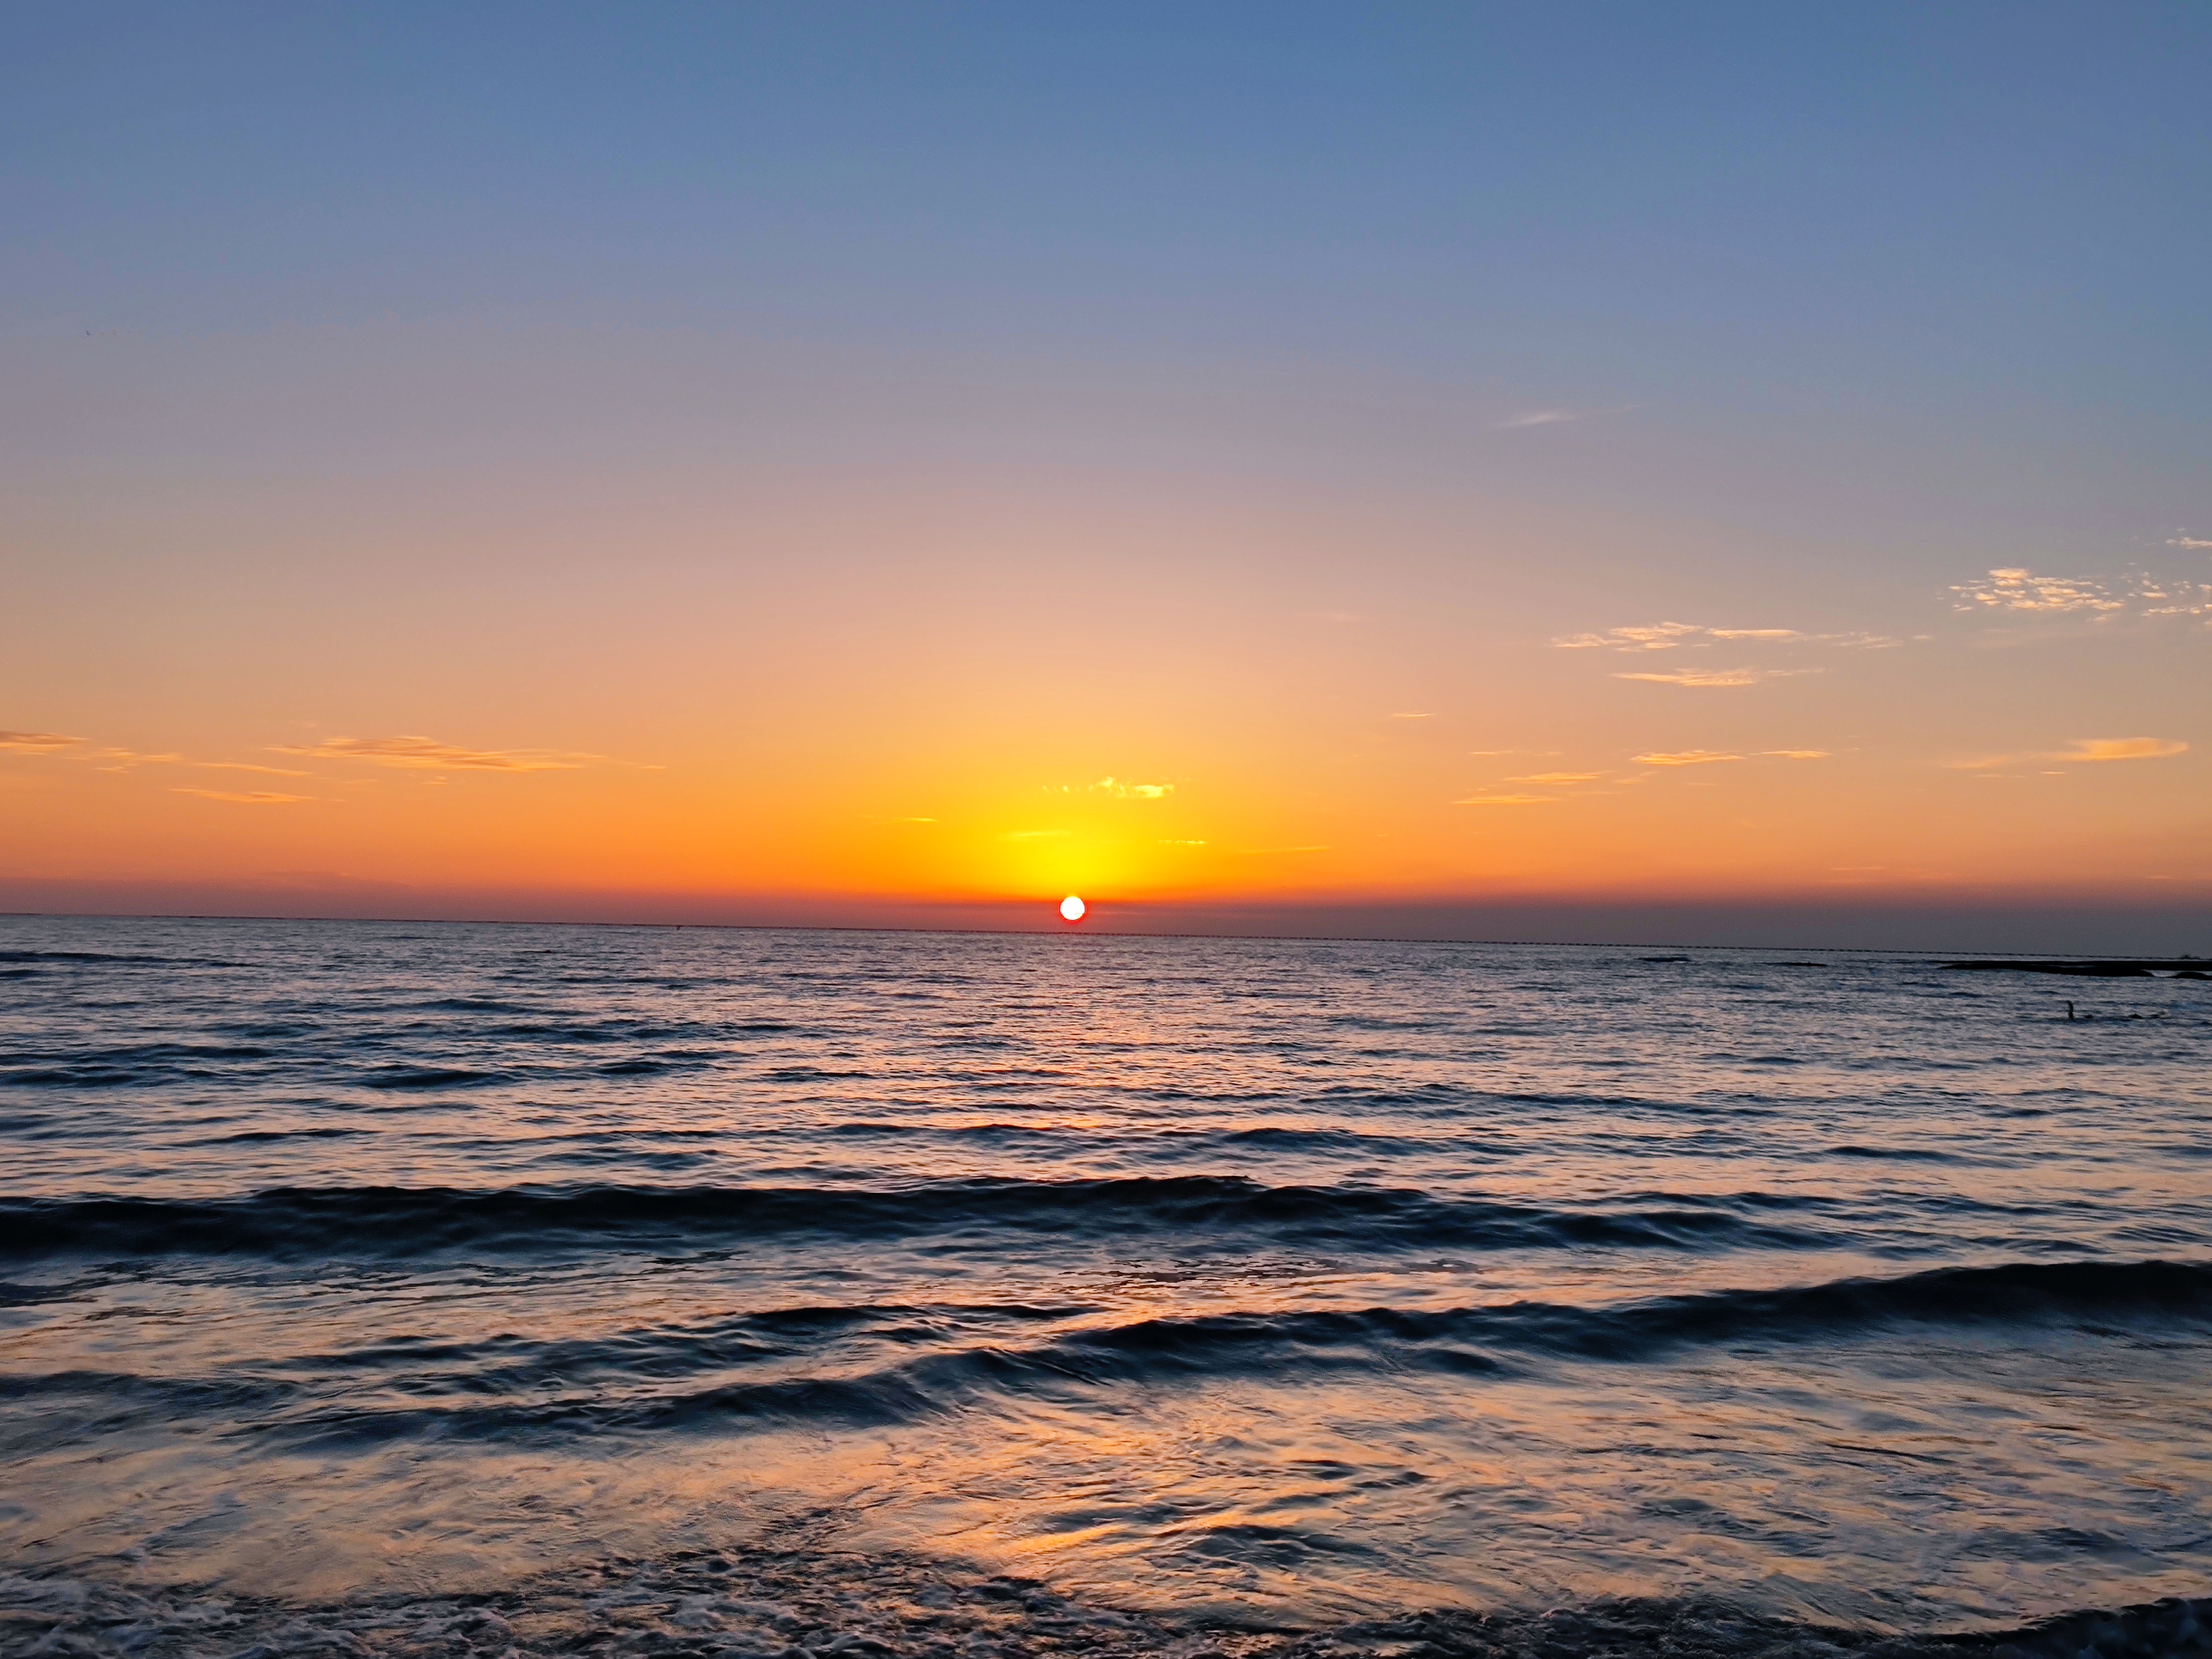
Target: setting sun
pixel 1071 909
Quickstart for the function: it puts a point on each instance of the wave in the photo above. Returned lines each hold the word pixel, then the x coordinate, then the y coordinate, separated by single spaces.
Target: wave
pixel 389 1222
pixel 428 1077
pixel 1467 1342
pixel 769 1597
pixel 122 1066
pixel 1467 1339
pixel 885 1366
pixel 82 955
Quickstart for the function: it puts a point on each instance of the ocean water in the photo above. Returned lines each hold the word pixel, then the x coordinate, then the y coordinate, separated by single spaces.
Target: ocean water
pixel 431 1288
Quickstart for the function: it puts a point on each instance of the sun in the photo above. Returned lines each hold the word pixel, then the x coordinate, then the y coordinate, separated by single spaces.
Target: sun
pixel 1071 909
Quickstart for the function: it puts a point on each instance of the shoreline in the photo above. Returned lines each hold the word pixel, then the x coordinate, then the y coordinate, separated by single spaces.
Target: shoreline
pixel 808 1602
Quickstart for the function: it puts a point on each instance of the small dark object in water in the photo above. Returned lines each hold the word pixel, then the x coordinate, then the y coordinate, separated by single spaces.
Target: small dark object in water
pixel 1665 958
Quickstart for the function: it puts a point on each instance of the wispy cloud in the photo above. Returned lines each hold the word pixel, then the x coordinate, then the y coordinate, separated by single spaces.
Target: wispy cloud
pixel 252 797
pixel 429 753
pixel 2119 749
pixel 1710 677
pixel 2175 598
pixel 124 760
pixel 1649 636
pixel 1183 843
pixel 2195 543
pixel 1537 417
pixel 1796 754
pixel 1412 715
pixel 1505 800
pixel 1031 834
pixel 108 758
pixel 2014 592
pixel 1123 791
pixel 2015 589
pixel 1674 636
pixel 37 743
pixel 1686 758
pixel 2083 749
pixel 1558 777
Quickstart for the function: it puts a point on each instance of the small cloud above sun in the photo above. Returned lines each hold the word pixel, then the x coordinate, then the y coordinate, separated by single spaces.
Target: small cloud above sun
pixel 1072 909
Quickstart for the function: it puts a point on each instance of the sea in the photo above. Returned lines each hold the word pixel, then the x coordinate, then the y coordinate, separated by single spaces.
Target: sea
pixel 376 1288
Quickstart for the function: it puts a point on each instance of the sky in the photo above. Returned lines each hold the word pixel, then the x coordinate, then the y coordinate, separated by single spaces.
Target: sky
pixel 1452 469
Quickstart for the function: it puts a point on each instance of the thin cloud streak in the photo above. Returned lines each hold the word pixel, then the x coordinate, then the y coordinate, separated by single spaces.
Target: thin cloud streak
pixel 2088 750
pixel 37 743
pixel 256 798
pixel 1718 677
pixel 427 753
pixel 1649 636
pixel 1674 635
pixel 1555 417
pixel 2120 748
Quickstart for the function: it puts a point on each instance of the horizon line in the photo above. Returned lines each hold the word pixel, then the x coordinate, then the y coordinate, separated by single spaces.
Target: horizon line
pixel 1063 931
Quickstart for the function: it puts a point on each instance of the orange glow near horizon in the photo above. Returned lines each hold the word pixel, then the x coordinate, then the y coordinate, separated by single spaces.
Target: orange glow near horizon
pixel 906 730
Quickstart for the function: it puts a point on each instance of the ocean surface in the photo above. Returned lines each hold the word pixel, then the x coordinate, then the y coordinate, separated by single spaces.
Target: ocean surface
pixel 424 1288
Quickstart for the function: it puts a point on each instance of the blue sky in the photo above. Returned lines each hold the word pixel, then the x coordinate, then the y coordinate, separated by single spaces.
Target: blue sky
pixel 1716 194
pixel 1981 230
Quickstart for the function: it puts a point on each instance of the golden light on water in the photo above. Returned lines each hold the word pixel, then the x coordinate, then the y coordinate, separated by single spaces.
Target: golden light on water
pixel 1071 909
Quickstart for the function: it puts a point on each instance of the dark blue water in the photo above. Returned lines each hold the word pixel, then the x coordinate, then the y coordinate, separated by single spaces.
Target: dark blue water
pixel 351 1269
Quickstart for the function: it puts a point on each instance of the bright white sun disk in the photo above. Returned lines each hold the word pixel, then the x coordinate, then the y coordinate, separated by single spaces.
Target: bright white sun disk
pixel 1071 909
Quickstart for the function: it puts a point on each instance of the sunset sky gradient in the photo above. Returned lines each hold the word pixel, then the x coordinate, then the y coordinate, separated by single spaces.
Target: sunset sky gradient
pixel 1429 468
